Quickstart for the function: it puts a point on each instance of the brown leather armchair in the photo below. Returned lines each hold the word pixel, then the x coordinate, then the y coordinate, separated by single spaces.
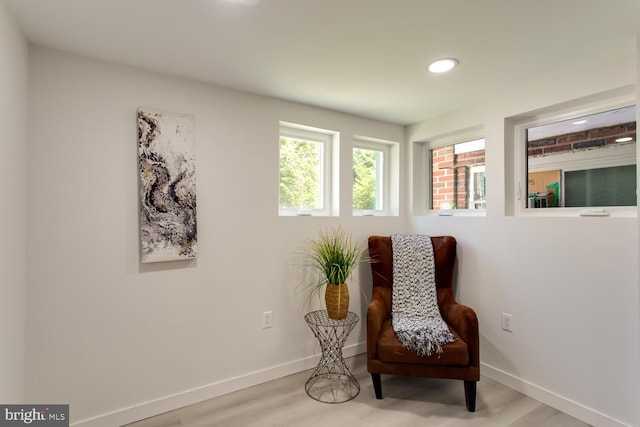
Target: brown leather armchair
pixel 386 355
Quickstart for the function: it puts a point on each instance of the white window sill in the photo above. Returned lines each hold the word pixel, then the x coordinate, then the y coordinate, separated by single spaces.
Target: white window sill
pixel 303 212
pixel 609 212
pixel 457 212
pixel 378 213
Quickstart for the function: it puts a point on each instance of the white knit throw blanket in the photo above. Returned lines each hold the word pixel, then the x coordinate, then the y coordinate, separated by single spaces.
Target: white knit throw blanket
pixel 414 305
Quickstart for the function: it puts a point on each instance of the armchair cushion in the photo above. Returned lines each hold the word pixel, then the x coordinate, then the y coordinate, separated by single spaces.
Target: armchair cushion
pixel 391 350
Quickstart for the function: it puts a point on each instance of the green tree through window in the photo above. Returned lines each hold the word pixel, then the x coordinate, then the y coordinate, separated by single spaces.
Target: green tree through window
pixel 301 169
pixel 365 178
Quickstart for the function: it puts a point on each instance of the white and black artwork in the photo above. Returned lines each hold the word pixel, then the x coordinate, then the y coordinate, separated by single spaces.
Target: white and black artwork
pixel 166 160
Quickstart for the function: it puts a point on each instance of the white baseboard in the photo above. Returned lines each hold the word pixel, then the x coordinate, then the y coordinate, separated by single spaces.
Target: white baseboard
pixel 188 397
pixel 561 403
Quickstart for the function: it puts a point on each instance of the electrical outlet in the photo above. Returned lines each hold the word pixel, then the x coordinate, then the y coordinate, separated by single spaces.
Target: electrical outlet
pixel 267 319
pixel 506 322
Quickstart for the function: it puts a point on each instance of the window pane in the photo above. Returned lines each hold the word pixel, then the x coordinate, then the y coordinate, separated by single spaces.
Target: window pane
pixel 615 186
pixel 301 174
pixel 458 176
pixel 583 162
pixel 478 196
pixel 367 179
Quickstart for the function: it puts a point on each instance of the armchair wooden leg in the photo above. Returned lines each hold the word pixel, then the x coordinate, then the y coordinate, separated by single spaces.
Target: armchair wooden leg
pixel 377 385
pixel 470 395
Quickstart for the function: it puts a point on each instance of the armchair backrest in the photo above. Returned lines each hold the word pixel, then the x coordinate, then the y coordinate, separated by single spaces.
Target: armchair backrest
pixel 380 252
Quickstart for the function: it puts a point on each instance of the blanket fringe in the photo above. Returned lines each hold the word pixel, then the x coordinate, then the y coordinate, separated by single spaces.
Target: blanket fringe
pixel 426 341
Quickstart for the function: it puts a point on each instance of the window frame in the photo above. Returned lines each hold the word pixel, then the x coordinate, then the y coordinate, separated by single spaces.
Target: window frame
pixel 624 155
pixel 383 191
pixel 328 140
pixel 423 181
pixel 472 170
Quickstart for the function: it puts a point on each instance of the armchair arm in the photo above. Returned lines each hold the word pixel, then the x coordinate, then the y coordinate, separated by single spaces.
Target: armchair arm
pixel 377 313
pixel 465 322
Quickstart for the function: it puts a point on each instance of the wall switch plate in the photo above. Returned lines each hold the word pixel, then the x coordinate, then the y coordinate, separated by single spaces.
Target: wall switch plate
pixel 267 319
pixel 506 322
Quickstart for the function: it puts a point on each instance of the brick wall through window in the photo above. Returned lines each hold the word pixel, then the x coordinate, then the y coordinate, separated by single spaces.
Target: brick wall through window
pixel 584 140
pixel 451 176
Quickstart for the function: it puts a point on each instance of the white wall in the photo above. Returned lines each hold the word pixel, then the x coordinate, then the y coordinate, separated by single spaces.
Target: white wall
pixel 571 284
pixel 13 223
pixel 120 341
pixel 111 336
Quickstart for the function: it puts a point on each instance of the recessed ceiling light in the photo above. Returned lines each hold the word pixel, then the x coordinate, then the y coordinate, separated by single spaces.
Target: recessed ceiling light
pixel 625 139
pixel 579 122
pixel 443 65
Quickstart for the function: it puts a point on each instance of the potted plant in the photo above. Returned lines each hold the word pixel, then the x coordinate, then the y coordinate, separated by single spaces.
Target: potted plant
pixel 334 255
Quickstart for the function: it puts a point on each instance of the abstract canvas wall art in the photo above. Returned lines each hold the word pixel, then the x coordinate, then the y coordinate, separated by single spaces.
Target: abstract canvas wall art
pixel 166 164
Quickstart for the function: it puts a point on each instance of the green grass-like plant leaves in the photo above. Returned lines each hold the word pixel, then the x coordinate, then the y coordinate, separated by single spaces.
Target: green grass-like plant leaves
pixel 334 255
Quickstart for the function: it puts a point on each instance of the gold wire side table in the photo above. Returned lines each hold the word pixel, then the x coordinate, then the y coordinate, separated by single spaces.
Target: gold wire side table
pixel 331 381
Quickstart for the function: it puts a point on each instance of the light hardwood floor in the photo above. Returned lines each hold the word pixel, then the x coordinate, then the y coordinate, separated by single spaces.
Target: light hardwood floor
pixel 407 402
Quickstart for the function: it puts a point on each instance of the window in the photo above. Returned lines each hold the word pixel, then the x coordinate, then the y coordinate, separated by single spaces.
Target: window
pixel 370 177
pixel 375 177
pixel 579 158
pixel 457 178
pixel 305 170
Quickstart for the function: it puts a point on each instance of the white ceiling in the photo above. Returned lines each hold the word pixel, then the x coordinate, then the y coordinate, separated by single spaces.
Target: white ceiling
pixel 366 57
